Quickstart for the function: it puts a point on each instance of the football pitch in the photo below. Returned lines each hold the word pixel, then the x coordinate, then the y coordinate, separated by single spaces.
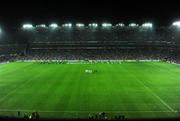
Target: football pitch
pixel 132 89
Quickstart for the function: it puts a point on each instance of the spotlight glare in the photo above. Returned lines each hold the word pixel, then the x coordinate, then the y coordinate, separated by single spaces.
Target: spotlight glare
pixel 80 25
pixel 93 25
pixel 106 25
pixel 177 23
pixel 120 25
pixel 41 26
pixel 27 26
pixel 133 25
pixel 67 25
pixel 147 25
pixel 53 25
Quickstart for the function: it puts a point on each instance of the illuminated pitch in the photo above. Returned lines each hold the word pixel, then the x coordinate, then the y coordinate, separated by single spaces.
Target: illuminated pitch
pixel 134 89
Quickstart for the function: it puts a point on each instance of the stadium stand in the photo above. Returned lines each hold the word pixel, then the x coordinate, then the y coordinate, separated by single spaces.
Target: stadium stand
pixel 90 43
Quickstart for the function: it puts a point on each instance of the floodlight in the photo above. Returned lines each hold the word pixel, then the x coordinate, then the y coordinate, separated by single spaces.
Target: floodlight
pixel 177 23
pixel 67 25
pixel 120 25
pixel 147 25
pixel 0 32
pixel 27 26
pixel 41 25
pixel 93 25
pixel 53 25
pixel 106 25
pixel 133 25
pixel 80 25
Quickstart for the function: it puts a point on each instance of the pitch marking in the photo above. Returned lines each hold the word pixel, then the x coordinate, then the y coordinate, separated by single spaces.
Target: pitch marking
pixel 60 111
pixel 160 99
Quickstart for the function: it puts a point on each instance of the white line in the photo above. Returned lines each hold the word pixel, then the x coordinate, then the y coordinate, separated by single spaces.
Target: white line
pixel 155 95
pixel 160 99
pixel 18 87
pixel 60 111
pixel 4 62
pixel 14 90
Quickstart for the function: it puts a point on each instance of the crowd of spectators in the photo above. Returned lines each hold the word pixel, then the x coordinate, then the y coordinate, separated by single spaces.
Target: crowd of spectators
pixel 114 43
pixel 96 55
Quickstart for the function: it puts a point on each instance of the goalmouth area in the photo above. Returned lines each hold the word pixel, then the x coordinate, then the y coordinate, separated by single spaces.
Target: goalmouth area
pixel 64 89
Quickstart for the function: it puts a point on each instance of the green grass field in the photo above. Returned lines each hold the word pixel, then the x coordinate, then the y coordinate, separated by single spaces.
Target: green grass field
pixel 133 89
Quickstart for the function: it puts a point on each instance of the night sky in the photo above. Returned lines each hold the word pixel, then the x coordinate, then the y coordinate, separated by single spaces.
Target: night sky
pixel 13 14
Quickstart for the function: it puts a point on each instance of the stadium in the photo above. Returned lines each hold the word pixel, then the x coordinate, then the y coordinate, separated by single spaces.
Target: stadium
pixel 90 71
